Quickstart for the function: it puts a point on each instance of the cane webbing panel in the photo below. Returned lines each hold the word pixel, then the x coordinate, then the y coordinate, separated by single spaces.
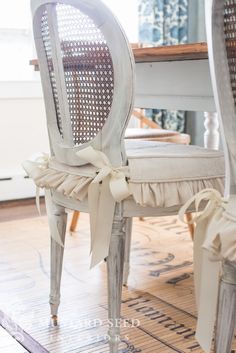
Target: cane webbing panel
pixel 230 40
pixel 88 72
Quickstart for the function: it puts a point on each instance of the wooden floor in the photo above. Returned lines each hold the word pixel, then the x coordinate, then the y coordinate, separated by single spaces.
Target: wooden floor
pixel 158 309
pixel 14 210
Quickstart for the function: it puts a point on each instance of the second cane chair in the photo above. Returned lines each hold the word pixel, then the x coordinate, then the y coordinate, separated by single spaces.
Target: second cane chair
pixel 215 235
pixel 87 73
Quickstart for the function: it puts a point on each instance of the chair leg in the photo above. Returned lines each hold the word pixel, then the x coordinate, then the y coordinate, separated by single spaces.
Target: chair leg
pixel 115 263
pixel 74 221
pixel 226 318
pixel 128 235
pixel 58 217
pixel 189 218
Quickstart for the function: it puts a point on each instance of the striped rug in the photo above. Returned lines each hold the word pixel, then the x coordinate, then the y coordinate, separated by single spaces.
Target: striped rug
pixel 158 309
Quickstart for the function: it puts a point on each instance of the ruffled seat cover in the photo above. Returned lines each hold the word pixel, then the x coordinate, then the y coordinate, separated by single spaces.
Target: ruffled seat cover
pixel 160 174
pixel 167 174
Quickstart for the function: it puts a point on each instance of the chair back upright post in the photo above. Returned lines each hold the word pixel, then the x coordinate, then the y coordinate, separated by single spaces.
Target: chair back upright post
pixel 221 38
pixel 87 73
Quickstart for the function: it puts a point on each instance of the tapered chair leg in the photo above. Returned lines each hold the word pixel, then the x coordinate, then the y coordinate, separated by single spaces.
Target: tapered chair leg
pixel 226 318
pixel 191 229
pixel 115 263
pixel 74 221
pixel 57 223
pixel 128 235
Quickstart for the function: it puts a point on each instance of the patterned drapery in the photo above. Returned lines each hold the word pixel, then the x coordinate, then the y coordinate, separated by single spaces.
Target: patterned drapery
pixel 164 22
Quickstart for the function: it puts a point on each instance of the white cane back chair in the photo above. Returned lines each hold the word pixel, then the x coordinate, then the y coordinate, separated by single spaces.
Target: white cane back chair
pixel 221 38
pixel 88 94
pixel 87 72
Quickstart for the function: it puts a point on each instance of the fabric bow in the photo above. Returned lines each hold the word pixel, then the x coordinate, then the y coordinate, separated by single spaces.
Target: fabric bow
pixel 214 241
pixel 107 188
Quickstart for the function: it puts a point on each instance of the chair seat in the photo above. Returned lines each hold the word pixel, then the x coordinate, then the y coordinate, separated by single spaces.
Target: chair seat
pixel 138 133
pixel 157 135
pixel 164 162
pixel 161 174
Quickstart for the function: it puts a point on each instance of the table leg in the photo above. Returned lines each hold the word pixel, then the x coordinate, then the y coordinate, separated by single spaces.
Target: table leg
pixel 211 135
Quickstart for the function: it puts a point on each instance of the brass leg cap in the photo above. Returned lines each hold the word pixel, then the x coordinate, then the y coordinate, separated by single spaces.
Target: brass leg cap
pixel 54 319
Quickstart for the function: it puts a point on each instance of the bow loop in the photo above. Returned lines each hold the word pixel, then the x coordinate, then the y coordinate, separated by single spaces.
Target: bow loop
pixel 108 187
pixel 119 186
pixel 102 174
pixel 213 199
pixel 34 169
pixel 94 157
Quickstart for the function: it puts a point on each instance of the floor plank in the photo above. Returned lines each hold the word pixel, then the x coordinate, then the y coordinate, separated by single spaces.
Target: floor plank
pixel 20 209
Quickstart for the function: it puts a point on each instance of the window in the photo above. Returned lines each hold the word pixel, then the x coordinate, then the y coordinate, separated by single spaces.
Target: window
pixel 127 14
pixel 16 44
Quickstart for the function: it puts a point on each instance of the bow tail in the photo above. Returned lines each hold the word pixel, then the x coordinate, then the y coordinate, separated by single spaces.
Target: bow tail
pixel 206 274
pixel 102 209
pixel 34 170
pixel 37 199
pixel 93 202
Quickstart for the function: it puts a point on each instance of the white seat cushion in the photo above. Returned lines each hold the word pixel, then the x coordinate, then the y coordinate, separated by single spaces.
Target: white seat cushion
pixel 137 133
pixel 161 174
pixel 151 161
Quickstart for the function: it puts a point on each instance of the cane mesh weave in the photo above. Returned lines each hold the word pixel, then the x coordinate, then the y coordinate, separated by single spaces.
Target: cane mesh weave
pixel 230 40
pixel 88 72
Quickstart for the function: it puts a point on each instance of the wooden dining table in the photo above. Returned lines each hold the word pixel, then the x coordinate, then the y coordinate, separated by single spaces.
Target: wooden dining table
pixel 175 77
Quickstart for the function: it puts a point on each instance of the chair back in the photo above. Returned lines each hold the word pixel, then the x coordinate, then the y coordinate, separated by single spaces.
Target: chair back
pixel 221 38
pixel 87 74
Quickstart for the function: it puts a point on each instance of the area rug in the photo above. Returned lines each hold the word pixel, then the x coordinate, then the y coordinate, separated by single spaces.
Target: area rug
pixel 158 309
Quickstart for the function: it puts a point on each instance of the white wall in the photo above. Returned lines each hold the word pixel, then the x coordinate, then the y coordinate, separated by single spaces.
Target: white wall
pixel 22 134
